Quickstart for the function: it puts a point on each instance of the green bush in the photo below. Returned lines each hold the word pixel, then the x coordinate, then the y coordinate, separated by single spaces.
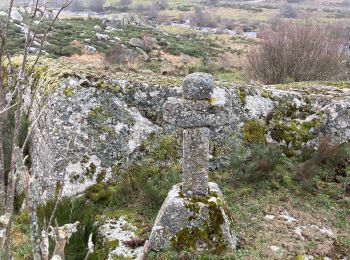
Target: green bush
pixel 144 183
pixel 150 179
pixel 326 164
pixel 255 164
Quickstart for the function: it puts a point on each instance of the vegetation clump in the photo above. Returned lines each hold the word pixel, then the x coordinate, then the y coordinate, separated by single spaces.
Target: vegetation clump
pixel 278 57
pixel 254 132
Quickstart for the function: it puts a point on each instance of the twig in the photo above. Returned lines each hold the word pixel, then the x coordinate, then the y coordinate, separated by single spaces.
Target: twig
pixel 59 195
pixel 7 109
pixel 65 5
pixel 30 130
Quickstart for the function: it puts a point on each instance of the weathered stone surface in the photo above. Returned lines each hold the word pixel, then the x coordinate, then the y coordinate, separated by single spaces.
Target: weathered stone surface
pixel 184 223
pixel 122 231
pixel 201 227
pixel 97 28
pixel 102 37
pixel 139 43
pixel 16 15
pixel 90 49
pixel 112 115
pixel 195 166
pixel 188 113
pixel 124 19
pixel 198 86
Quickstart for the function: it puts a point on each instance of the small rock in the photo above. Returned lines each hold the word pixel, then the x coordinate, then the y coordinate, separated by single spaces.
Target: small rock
pixel 135 42
pixel 269 217
pixel 97 28
pixel 90 49
pixel 327 232
pixel 32 50
pixel 3 14
pixel 287 217
pixel 87 40
pixel 102 37
pixel 299 232
pixel 117 38
pixel 274 248
pixel 16 16
pixel 142 53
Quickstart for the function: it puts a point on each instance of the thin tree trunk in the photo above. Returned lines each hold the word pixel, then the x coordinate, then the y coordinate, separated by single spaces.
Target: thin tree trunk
pixel 2 105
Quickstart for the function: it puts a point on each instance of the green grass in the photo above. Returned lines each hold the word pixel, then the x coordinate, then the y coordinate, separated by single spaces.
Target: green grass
pixel 230 76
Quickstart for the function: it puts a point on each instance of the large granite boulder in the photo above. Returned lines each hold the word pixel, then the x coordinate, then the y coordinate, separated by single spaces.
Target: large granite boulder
pixel 111 116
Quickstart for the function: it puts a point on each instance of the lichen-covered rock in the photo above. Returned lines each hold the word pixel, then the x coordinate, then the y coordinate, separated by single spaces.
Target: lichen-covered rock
pixel 198 86
pixel 139 43
pixel 124 19
pixel 188 223
pixel 16 15
pixel 110 116
pixel 116 233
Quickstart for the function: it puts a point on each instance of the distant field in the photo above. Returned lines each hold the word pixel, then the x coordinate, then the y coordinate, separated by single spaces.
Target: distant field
pixel 172 3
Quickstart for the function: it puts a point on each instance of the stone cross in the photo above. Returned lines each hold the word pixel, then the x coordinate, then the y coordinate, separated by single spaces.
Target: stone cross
pixel 196 112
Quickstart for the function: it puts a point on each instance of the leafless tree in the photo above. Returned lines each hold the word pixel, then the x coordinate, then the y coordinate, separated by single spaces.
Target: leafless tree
pixel 14 99
pixel 124 5
pixel 96 5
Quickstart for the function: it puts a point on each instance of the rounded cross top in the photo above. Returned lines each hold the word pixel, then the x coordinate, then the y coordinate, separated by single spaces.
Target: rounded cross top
pixel 198 86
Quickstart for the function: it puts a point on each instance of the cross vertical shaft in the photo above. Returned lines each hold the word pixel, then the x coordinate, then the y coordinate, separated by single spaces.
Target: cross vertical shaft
pixel 195 166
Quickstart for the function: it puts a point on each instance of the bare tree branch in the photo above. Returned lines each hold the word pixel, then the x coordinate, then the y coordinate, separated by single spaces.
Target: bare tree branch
pixel 59 195
pixel 7 109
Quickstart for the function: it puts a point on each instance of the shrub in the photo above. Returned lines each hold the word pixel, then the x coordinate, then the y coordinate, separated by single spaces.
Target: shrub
pixel 96 5
pixel 288 11
pixel 257 164
pixel 120 55
pixel 254 132
pixel 76 6
pixel 144 182
pixel 203 18
pixel 325 165
pixel 150 179
pixel 124 5
pixel 299 51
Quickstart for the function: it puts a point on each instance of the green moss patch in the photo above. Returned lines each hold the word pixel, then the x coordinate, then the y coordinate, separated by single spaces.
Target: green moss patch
pixel 208 236
pixel 254 132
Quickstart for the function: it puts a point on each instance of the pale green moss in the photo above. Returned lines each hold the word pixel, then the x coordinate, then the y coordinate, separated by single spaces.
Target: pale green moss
pixel 254 132
pixel 265 94
pixel 68 92
pixel 210 232
pixel 242 95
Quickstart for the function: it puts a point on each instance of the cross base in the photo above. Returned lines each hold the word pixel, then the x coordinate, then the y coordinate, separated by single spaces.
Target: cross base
pixel 201 224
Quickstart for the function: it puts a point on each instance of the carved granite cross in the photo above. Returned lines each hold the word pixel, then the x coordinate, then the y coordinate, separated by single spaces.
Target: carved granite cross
pixel 195 113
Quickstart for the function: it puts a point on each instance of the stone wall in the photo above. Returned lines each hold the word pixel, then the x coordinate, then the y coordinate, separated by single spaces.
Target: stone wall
pixel 110 118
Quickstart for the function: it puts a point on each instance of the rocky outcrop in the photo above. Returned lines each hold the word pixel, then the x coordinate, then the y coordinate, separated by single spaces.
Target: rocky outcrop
pixel 110 116
pixel 125 19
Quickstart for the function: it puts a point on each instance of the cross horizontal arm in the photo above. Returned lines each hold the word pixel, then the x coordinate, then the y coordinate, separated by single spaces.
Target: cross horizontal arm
pixel 191 114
